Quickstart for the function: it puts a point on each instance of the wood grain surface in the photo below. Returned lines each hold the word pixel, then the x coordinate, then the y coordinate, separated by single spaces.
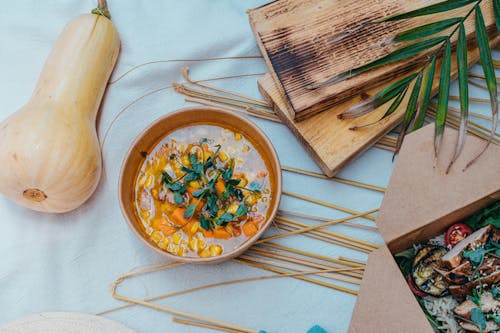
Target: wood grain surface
pixel 328 139
pixel 308 41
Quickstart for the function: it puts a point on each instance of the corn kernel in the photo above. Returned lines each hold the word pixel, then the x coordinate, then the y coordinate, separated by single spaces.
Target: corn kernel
pixel 142 180
pixel 204 254
pixel 149 181
pixel 195 184
pixel 145 214
pixel 250 200
pixel 222 156
pixel 193 244
pixel 154 193
pixel 163 244
pixel 238 136
pixel 215 250
pixel 176 238
pixel 172 248
pixel 195 228
pixel 156 236
pixel 232 209
pixel 181 252
pixel 201 244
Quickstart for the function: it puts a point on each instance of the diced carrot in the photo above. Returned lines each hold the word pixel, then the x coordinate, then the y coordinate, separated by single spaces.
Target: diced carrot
pixel 220 187
pixel 221 233
pixel 161 224
pixel 250 228
pixel 178 217
pixel 187 227
pixel 208 233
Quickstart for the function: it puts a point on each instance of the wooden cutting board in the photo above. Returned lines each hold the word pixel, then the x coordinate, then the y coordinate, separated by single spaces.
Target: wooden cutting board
pixel 308 41
pixel 327 138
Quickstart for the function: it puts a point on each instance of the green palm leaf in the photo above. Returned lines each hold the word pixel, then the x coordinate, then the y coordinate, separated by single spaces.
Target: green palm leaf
pixel 400 54
pixel 444 93
pixel 489 73
pixel 432 9
pixel 426 95
pixel 463 87
pixel 394 105
pixel 426 30
pixel 411 110
pixel 378 99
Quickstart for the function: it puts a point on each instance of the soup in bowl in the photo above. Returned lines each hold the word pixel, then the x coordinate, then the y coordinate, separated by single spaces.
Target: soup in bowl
pixel 200 185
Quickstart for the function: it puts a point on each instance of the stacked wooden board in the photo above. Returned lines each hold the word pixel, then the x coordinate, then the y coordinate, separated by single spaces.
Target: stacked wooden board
pixel 307 42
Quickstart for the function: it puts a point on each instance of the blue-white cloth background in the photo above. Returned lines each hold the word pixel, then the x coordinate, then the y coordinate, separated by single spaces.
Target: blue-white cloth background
pixel 67 262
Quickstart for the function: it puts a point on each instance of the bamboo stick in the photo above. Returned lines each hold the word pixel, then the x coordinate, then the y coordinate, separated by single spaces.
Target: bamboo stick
pixel 326 204
pixel 308 254
pixel 260 260
pixel 185 74
pixel 356 261
pixel 305 228
pixel 117 296
pixel 315 235
pixel 232 109
pixel 180 60
pixel 353 277
pixel 337 179
pixel 203 325
pixel 303 278
pixel 282 212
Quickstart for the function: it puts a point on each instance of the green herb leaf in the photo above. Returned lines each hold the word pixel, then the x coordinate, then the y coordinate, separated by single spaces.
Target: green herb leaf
pixel 206 224
pixel 227 174
pixel 496 318
pixel 242 210
pixel 411 110
pixel 432 9
pixel 178 199
pixel 489 73
pixel 165 178
pixel 254 186
pixel 477 317
pixel 444 93
pixel 426 95
pixel 175 186
pixel 463 85
pixel 426 30
pixel 198 168
pixel 405 260
pixel 495 292
pixel 489 215
pixel 225 219
pixel 233 182
pixel 476 257
pixel 191 176
pixel 192 158
pixel 190 211
pixel 200 192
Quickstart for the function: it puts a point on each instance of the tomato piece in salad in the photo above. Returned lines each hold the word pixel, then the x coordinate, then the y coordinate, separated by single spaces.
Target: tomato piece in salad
pixel 456 233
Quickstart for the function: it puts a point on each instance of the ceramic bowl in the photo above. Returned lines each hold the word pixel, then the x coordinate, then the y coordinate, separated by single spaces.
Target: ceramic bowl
pixel 154 133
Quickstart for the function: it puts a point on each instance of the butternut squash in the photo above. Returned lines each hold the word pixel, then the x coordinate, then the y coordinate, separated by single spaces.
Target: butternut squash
pixel 49 150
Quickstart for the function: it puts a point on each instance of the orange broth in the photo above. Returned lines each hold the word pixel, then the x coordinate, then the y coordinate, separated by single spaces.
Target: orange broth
pixel 203 190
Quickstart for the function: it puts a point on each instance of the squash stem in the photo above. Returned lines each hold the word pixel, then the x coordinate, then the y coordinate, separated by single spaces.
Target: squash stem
pixel 102 9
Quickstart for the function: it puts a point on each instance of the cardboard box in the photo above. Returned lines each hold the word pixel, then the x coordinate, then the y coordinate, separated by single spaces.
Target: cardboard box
pixel 421 202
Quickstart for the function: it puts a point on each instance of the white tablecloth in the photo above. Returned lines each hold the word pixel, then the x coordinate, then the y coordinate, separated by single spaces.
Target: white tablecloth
pixel 67 262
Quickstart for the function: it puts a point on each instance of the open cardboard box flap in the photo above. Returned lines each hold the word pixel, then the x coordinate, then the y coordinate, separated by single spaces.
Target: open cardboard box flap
pixel 421 201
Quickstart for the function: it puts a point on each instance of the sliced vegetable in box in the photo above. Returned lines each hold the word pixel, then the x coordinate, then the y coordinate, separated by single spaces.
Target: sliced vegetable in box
pixel 456 275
